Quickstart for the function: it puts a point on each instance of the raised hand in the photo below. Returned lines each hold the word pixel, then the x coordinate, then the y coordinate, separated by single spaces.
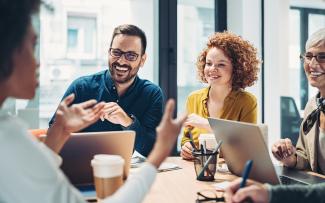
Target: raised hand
pixel 70 119
pixel 167 133
pixel 77 116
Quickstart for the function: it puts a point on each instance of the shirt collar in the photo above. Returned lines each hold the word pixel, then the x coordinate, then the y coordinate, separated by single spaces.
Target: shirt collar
pixel 108 80
pixel 232 95
pixel 111 85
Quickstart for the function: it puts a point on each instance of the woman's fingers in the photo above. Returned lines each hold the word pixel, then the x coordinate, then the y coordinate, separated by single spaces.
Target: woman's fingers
pixel 88 103
pixel 181 119
pixel 68 100
pixel 289 146
pixel 169 110
pixel 186 155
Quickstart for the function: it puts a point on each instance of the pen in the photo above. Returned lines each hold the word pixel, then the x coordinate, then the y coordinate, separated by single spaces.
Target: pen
pixel 191 139
pixel 202 149
pixel 205 146
pixel 247 169
pixel 206 164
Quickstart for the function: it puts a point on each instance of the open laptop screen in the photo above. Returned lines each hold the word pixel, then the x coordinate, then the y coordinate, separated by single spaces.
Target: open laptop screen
pixel 81 147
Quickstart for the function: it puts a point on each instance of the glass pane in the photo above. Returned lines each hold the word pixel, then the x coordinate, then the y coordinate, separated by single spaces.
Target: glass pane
pixel 315 22
pixel 289 114
pixel 294 60
pixel 75 37
pixel 72 38
pixel 195 20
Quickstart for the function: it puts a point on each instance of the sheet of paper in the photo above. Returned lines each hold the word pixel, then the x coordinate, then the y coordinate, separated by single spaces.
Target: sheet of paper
pixel 137 161
pixel 223 168
pixel 168 167
pixel 222 185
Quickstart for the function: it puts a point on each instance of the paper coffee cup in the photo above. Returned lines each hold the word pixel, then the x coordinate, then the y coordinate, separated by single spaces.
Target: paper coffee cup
pixel 108 174
pixel 208 140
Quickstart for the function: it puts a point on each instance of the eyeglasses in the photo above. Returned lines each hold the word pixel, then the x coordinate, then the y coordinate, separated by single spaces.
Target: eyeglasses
pixel 307 57
pixel 209 196
pixel 129 55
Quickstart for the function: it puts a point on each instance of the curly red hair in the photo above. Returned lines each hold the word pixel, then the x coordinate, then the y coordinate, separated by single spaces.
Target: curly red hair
pixel 242 54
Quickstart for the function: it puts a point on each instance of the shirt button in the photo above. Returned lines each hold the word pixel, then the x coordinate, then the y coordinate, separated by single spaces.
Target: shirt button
pixel 116 100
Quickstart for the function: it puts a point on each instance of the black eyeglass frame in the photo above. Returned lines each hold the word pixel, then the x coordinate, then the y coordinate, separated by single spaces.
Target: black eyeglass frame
pixel 304 58
pixel 206 199
pixel 125 53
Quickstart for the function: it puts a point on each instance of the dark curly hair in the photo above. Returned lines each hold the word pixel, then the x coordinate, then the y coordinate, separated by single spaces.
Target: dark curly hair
pixel 242 54
pixel 15 16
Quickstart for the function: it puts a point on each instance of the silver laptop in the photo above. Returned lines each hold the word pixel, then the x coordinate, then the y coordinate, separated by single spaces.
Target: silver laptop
pixel 81 147
pixel 244 141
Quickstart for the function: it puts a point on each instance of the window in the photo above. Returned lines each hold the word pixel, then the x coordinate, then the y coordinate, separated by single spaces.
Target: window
pixel 82 37
pixel 75 37
pixel 294 52
pixel 72 38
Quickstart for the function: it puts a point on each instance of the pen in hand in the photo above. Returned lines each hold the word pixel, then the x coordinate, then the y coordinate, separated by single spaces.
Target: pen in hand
pixel 247 169
pixel 191 139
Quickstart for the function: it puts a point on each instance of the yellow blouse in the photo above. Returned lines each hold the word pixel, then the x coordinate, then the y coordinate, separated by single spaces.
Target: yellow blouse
pixel 239 105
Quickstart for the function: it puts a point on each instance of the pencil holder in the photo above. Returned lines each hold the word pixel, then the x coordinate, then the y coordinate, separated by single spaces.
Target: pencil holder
pixel 205 165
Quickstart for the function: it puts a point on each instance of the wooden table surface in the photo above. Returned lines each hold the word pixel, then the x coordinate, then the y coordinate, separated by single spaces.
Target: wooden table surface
pixel 180 185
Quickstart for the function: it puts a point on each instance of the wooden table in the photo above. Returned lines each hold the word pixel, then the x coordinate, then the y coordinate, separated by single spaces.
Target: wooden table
pixel 180 185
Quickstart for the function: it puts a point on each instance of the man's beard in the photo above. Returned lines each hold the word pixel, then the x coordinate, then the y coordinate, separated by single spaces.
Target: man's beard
pixel 132 72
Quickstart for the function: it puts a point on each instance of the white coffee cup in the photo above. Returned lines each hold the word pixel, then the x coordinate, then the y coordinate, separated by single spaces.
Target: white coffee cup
pixel 108 174
pixel 208 140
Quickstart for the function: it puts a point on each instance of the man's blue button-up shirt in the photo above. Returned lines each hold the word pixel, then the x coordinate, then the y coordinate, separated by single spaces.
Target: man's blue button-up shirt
pixel 143 100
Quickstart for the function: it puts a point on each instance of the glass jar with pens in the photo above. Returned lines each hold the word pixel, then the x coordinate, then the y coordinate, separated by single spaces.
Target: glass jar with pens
pixel 205 162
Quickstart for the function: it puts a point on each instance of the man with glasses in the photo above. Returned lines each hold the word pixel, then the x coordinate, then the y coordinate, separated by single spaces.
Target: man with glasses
pixel 131 103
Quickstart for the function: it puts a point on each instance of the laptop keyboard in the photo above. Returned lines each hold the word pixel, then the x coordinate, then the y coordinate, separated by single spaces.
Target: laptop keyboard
pixel 289 181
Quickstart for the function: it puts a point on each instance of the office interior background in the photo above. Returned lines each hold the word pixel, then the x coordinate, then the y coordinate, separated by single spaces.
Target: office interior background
pixel 74 37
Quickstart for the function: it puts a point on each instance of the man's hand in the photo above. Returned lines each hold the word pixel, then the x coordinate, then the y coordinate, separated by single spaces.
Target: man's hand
pixel 285 152
pixel 115 114
pixel 195 120
pixel 186 151
pixel 167 133
pixel 254 191
pixel 70 119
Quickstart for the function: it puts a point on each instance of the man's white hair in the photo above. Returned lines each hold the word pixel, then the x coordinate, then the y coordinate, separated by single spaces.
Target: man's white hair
pixel 316 39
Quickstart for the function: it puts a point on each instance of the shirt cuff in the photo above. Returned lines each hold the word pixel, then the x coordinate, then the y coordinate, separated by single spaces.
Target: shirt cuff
pixel 149 167
pixel 55 156
pixel 150 171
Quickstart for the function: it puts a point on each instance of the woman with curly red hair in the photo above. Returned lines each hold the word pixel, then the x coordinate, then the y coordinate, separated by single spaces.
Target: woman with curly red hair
pixel 228 64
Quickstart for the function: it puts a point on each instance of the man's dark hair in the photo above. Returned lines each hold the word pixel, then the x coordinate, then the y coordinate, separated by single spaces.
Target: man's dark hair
pixel 131 30
pixel 15 16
